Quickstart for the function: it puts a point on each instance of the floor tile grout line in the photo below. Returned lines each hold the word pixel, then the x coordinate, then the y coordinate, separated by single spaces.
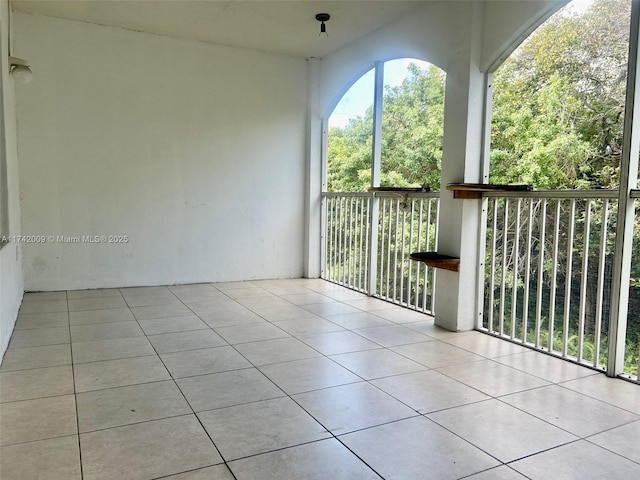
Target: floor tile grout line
pixel 169 379
pixel 333 436
pixel 466 440
pixel 141 422
pixel 613 428
pixel 493 468
pixel 501 398
pixel 577 440
pixel 193 412
pixel 193 470
pixel 39 398
pixel 561 384
pixel 438 369
pixel 75 393
pixel 609 450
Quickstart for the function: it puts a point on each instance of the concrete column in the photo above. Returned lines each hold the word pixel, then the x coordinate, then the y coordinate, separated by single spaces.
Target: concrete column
pixel 313 160
pixel 456 292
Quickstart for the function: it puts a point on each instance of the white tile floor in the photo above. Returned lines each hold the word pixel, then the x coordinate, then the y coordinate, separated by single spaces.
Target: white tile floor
pixel 292 379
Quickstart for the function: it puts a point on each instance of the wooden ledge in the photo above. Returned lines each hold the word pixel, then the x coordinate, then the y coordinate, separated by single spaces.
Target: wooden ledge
pixel 437 260
pixel 400 189
pixel 475 190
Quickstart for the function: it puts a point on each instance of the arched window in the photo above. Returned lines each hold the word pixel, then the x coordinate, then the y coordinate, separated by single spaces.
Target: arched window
pixel 562 266
pixel 350 138
pixel 412 124
pixel 409 148
pixel 559 100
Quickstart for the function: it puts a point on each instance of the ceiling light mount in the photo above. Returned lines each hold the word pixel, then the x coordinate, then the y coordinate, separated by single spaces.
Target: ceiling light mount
pixel 20 70
pixel 323 17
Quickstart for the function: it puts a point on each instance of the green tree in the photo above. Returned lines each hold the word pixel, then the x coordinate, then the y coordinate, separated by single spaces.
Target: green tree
pixel 412 126
pixel 559 101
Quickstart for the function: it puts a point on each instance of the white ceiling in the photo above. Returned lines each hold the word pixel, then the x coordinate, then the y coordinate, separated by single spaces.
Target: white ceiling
pixel 287 26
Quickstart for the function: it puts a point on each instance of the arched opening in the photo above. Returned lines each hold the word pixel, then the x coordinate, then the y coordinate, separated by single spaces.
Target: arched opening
pixel 558 124
pixel 412 124
pixel 350 138
pixel 410 143
pixel 384 152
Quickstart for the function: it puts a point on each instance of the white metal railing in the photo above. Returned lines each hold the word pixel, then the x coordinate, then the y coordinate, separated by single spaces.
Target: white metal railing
pixel 548 263
pixel 406 225
pixel 346 245
pixel 548 270
pixel 368 238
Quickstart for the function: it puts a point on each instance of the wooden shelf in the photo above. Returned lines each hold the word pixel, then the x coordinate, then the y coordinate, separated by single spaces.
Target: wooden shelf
pixel 437 260
pixel 400 189
pixel 475 190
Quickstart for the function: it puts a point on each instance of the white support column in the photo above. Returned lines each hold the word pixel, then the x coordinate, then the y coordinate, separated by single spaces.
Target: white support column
pixel 626 210
pixel 482 233
pixel 376 159
pixel 456 292
pixel 314 175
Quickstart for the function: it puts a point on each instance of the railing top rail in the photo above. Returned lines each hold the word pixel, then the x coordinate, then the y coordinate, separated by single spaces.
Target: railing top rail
pixel 346 194
pixel 395 194
pixel 586 194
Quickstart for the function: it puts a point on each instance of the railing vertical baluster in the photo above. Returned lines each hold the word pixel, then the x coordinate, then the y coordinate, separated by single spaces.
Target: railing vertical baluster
pixel 567 280
pixel 541 249
pixel 361 216
pixel 327 237
pixel 503 281
pixel 419 264
pixel 583 280
pixel 348 239
pixel 516 257
pixel 492 277
pixel 354 248
pixel 604 230
pixel 334 233
pixel 554 276
pixel 428 286
pixel 389 250
pixel 409 272
pixel 354 243
pixel 436 226
pixel 365 259
pixel 339 240
pixel 395 252
pixel 527 273
pixel 343 238
pixel 402 254
pixel 383 237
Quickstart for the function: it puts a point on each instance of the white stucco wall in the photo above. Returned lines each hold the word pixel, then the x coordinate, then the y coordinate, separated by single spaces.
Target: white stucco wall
pixel 196 152
pixel 430 33
pixel 11 277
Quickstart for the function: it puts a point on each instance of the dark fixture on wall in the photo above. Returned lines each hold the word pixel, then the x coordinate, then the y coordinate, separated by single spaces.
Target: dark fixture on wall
pixel 323 17
pixel 20 70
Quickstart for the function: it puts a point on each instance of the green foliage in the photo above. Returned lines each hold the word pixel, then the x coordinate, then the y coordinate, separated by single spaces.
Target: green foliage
pixel 412 126
pixel 349 152
pixel 558 102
